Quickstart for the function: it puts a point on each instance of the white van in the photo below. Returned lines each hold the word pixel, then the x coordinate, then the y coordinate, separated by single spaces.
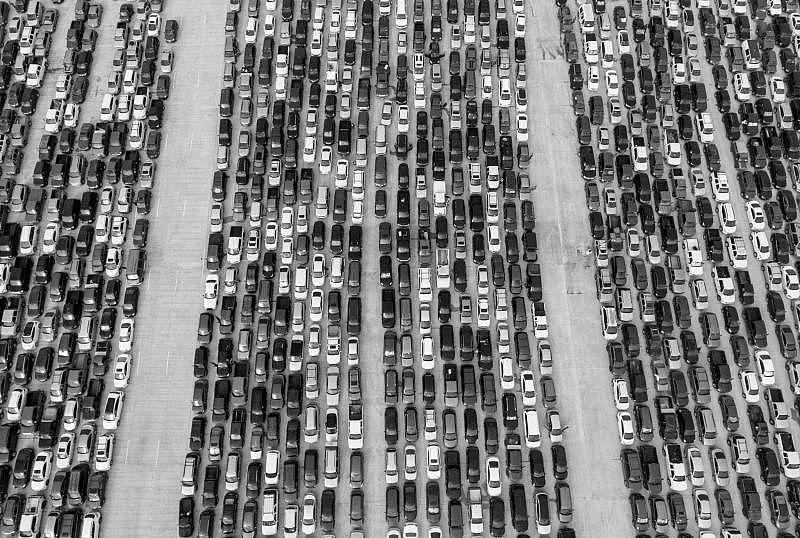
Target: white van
pixel 741 86
pixel 86 332
pixel 533 438
pixel 321 205
pixel 586 18
pixel 280 88
pixel 361 153
pixel 108 106
pixel 301 283
pixel 28 239
pixel 400 16
pixel 269 513
pixel 380 140
pixel 337 270
pixel 610 322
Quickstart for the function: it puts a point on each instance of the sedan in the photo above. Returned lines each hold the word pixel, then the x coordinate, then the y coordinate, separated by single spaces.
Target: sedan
pixel 625 428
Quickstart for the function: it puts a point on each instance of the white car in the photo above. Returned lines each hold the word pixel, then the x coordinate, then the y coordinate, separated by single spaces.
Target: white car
pixel 402 118
pixel 694 256
pixel 612 83
pixel 506 373
pixel 72 411
pixel 104 452
pixel 428 360
pixel 309 515
pixel 122 370
pixel 761 246
pixel 112 409
pixel 528 385
pixel 493 480
pixel 49 238
pixel 522 127
pixel 766 368
pixel 16 401
pixel 211 292
pixel 791 282
pixel 317 305
pixel 325 160
pixel 727 217
pixel 591 49
pixel 778 88
pixel 434 465
pixel 126 331
pixel 153 24
pixel 593 78
pixel 634 243
pixel 71 114
pixel 410 462
pixel 749 383
pixel 793 369
pixel 625 428
pixel 678 70
pixel 755 215
pixel 520 25
pixel 271 236
pixel 622 398
pixel 309 149
pixel 40 472
pixel 64 448
pixel 390 469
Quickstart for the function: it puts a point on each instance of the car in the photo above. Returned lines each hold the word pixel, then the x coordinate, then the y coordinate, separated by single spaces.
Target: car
pixel 493 479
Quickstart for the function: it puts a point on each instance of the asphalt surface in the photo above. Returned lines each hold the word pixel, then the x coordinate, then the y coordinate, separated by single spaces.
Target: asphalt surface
pixel 581 364
pixel 143 493
pixel 152 440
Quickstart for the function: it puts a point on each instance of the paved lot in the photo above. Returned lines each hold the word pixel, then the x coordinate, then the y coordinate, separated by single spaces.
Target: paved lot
pixel 581 366
pixel 152 442
pixel 145 485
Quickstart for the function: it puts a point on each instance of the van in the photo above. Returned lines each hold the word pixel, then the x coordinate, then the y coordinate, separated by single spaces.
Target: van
pixel 231 49
pixel 336 272
pixel 301 283
pixel 710 327
pixel 9 433
pixel 706 425
pixel 533 438
pixel 785 116
pixel 644 52
pixel 542 509
pixel 361 153
pixel 586 17
pixel 331 471
pixel 321 203
pixel 564 502
pixel 610 323
pixel 135 266
pixel 735 59
pixel 86 332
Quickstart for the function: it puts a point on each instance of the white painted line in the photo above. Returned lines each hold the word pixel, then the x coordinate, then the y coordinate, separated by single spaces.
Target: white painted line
pixel 138 360
pixel 197 80
pixel 127 448
pixel 191 141
pixel 158 449
pixel 183 211
pixel 158 205
pixel 166 364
